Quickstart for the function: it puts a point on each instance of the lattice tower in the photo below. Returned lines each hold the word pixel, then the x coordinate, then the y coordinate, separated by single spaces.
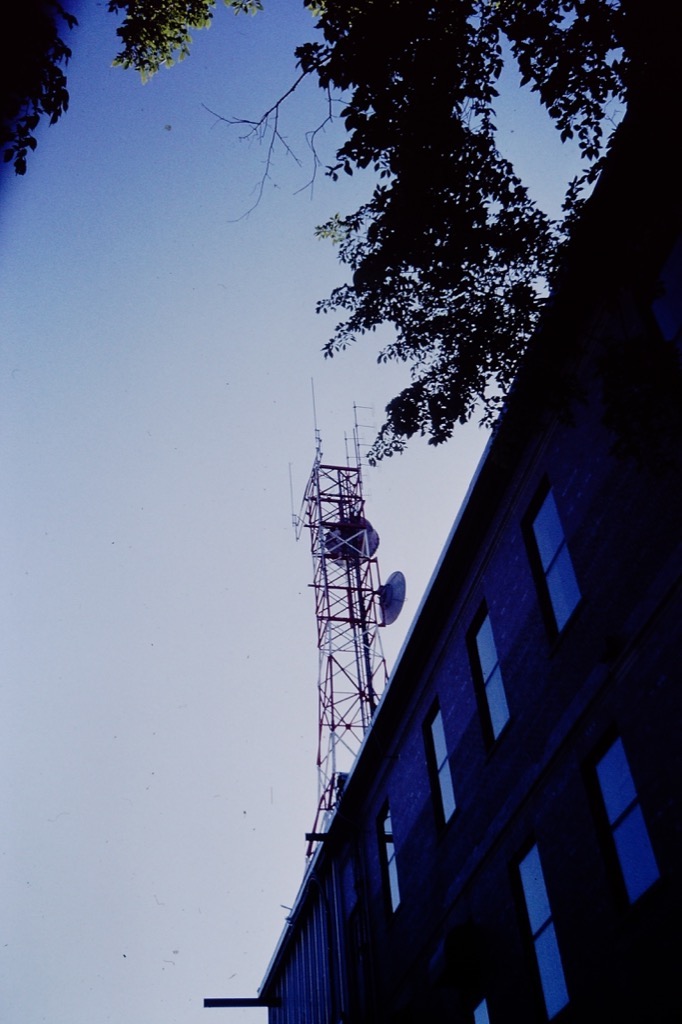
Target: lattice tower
pixel 346 583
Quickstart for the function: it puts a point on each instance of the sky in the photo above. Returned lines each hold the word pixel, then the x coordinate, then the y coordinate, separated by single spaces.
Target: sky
pixel 158 677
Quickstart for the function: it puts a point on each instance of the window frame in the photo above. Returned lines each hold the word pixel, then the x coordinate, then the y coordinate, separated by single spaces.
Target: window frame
pixel 439 769
pixel 623 873
pixel 542 572
pixel 388 862
pixel 481 681
pixel 546 958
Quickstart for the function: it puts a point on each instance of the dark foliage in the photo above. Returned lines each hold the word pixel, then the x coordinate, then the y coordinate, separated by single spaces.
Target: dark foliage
pixel 33 83
pixel 450 252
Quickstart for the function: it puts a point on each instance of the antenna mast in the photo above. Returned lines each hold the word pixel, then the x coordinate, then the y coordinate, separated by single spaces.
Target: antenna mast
pixel 352 667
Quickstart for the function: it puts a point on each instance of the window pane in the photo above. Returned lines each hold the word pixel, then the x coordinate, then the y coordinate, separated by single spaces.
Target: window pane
pixel 548 531
pixel 635 854
pixel 438 734
pixel 615 781
pixel 447 793
pixel 497 703
pixel 485 644
pixel 393 883
pixel 391 865
pixel 534 890
pixel 551 971
pixel 481 1013
pixel 563 588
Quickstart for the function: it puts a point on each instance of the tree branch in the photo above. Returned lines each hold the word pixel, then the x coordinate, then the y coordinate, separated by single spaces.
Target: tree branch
pixel 267 127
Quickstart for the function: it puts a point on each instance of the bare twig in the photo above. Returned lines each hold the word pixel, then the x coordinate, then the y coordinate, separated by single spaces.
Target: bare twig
pixel 268 127
pixel 311 138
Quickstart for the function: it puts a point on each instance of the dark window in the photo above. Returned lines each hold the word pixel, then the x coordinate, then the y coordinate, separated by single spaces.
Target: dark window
pixel 359 955
pixel 626 823
pixel 439 766
pixel 552 560
pixel 388 858
pixel 487 676
pixel 667 307
pixel 543 933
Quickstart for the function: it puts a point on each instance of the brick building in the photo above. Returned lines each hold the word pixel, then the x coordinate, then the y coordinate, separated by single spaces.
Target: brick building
pixel 508 845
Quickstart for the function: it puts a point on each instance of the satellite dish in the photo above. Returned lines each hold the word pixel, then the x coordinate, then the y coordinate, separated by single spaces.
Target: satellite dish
pixel 392 597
